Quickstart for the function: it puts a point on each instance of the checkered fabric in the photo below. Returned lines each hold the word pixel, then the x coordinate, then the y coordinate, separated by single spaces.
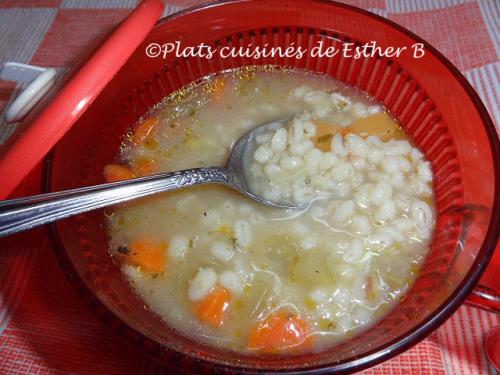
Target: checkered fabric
pixel 46 329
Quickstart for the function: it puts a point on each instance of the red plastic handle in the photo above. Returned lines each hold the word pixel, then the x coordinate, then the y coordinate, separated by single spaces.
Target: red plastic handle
pixel 75 97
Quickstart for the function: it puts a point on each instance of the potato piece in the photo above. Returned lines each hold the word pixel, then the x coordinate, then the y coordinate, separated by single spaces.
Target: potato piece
pixel 380 124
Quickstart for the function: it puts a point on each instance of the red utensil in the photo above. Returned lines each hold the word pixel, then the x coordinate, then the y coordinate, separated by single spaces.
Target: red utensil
pixel 35 138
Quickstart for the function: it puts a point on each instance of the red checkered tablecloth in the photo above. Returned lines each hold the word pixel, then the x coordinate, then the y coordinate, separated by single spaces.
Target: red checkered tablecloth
pixel 45 328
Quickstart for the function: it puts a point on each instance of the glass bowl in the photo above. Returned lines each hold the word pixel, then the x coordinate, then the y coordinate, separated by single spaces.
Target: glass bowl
pixel 434 103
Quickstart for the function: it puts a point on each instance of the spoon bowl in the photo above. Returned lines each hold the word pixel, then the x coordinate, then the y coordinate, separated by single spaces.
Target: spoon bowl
pixel 241 152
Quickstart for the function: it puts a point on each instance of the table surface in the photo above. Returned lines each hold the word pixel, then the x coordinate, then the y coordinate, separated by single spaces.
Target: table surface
pixel 45 328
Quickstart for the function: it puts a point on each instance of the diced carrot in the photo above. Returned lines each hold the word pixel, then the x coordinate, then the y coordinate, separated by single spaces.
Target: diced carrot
pixel 144 129
pixel 149 255
pixel 345 131
pixel 211 309
pixel 380 124
pixel 143 167
pixel 278 332
pixel 324 133
pixel 324 127
pixel 117 172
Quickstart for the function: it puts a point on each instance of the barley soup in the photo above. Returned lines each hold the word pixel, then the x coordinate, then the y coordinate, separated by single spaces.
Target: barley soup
pixel 233 273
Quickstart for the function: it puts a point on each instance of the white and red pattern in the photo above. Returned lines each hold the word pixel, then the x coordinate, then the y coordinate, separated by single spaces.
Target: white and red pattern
pixel 45 328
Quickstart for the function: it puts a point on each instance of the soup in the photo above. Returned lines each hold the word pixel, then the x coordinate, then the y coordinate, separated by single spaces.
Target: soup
pixel 233 273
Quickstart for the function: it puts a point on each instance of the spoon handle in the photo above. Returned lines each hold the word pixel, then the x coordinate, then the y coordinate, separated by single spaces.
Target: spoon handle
pixel 20 214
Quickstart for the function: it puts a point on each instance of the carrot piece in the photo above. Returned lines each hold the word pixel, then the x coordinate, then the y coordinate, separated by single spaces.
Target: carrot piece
pixel 280 331
pixel 380 124
pixel 212 308
pixel 324 127
pixel 345 131
pixel 324 133
pixel 143 167
pixel 144 129
pixel 148 255
pixel 117 172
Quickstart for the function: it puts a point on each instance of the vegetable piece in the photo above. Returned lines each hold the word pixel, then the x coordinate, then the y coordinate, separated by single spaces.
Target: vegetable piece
pixel 147 254
pixel 278 332
pixel 324 133
pixel 117 172
pixel 144 129
pixel 324 127
pixel 380 124
pixel 212 309
pixel 143 166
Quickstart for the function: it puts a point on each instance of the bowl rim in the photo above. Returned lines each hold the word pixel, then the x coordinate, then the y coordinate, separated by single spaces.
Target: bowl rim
pixel 373 357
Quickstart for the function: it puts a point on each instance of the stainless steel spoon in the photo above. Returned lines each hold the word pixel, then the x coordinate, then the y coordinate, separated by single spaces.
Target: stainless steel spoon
pixel 21 214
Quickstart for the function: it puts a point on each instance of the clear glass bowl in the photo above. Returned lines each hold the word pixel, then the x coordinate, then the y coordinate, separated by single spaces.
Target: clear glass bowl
pixel 433 101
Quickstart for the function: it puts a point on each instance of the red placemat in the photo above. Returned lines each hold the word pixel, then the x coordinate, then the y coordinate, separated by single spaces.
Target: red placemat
pixel 45 328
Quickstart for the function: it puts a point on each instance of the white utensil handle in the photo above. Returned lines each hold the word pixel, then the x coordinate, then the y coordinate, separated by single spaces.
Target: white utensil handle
pixel 39 80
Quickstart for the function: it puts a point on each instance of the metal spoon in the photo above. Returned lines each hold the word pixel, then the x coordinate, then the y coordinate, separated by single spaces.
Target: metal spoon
pixel 21 214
